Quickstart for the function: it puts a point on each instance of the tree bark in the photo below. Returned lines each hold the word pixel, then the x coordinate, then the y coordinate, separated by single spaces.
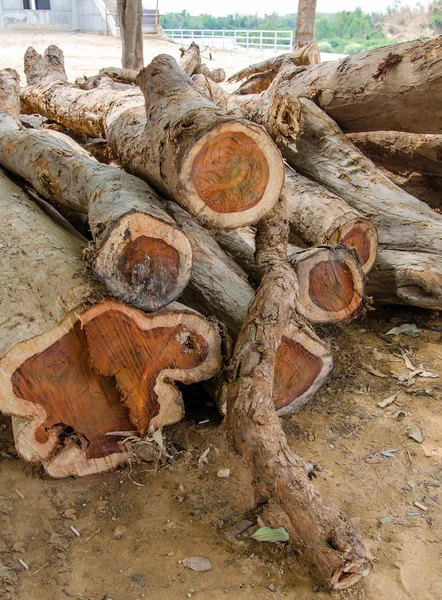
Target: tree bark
pixel 406 278
pixel 256 83
pixel 313 144
pixel 325 154
pixel 218 287
pixel 330 282
pixel 319 217
pixel 279 475
pixel 305 23
pixel 308 55
pixel 183 146
pixel 190 61
pixel 75 365
pixel 398 78
pixel 140 254
pixel 130 17
pixel 402 152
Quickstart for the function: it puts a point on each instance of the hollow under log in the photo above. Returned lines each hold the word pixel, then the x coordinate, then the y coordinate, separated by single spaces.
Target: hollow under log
pixel 76 366
pixel 222 169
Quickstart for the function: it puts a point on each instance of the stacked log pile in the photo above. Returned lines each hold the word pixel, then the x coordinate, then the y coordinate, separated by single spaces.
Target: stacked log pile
pixel 199 206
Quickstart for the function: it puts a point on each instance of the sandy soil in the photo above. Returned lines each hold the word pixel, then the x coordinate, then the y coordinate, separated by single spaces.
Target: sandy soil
pixel 183 510
pixel 85 53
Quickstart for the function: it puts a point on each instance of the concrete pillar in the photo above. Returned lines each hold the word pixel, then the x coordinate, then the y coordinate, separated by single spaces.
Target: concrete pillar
pixel 75 15
pixel 2 24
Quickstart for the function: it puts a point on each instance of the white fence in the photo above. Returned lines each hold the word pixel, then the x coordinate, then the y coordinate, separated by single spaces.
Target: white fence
pixel 224 38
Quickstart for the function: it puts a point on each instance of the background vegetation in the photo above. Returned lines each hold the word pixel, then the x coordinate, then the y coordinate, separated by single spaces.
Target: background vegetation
pixel 345 32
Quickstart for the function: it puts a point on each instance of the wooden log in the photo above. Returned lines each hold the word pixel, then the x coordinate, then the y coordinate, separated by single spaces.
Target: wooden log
pixel 76 365
pixel 307 55
pixel 319 217
pixel 330 281
pixel 278 475
pixel 402 152
pixel 313 144
pixel 219 287
pixel 413 278
pixel 190 61
pixel 216 75
pixel 256 84
pixel 215 165
pixel 397 79
pixel 326 155
pixel 140 254
pixel 10 93
pixel 130 20
pixel 305 22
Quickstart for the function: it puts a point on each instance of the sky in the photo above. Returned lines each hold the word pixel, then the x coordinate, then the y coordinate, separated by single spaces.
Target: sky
pixel 226 7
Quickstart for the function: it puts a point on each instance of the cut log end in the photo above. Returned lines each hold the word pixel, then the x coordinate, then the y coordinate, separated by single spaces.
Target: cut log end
pixel 236 175
pixel 303 364
pixel 330 284
pixel 361 235
pixel 102 373
pixel 350 573
pixel 144 262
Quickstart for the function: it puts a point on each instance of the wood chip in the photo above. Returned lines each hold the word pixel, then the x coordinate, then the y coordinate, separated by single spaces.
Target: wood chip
pixel 421 506
pixel 374 371
pixel 238 528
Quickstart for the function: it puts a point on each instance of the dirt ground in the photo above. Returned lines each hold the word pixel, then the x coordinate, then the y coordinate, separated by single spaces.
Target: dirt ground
pixel 86 53
pixel 184 509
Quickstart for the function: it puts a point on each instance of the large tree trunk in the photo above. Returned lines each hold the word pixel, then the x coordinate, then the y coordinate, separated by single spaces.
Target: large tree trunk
pixel 305 22
pixel 75 365
pixel 407 278
pixel 222 169
pixel 313 144
pixel 130 20
pixel 319 217
pixel 190 60
pixel 218 287
pixel 140 254
pixel 401 152
pixel 395 88
pixel 279 475
pixel 325 154
pixel 330 282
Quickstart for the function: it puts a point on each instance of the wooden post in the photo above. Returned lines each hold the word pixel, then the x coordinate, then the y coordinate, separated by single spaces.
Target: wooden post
pixel 305 22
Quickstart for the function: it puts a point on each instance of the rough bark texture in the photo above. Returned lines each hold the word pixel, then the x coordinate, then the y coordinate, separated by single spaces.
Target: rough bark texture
pixel 391 88
pixel 330 282
pixel 10 93
pixel 314 145
pixel 130 15
pixel 256 83
pixel 325 154
pixel 140 253
pixel 305 22
pixel 190 60
pixel 120 75
pixel 75 365
pixel 308 55
pixel 407 278
pixel 401 152
pixel 216 75
pixel 218 288
pixel 319 217
pixel 179 142
pixel 279 475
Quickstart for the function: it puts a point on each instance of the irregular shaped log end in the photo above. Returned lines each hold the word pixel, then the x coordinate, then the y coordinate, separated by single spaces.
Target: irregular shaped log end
pixel 330 284
pixel 361 235
pixel 303 364
pixel 144 261
pixel 351 572
pixel 10 93
pixel 236 175
pixel 103 372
